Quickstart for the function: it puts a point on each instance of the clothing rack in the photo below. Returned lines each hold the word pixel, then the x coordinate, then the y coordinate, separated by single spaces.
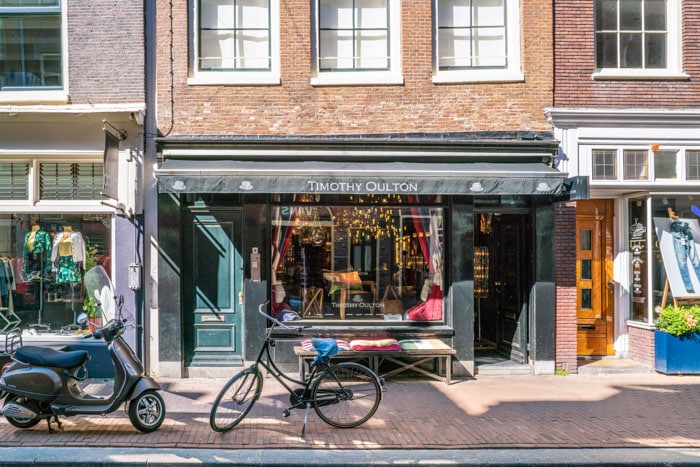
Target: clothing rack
pixel 8 319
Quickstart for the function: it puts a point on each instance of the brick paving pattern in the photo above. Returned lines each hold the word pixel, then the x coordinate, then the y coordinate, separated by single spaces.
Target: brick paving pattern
pixel 575 411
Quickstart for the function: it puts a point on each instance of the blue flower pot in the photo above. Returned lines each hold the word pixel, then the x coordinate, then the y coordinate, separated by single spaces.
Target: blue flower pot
pixel 677 354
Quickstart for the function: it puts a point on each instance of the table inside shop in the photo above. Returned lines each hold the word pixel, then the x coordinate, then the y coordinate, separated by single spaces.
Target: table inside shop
pixel 440 354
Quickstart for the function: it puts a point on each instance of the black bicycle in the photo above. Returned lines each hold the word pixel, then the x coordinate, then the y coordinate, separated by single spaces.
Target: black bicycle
pixel 344 395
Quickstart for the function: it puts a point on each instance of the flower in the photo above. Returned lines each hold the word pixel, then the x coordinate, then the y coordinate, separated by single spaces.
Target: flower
pixel 679 320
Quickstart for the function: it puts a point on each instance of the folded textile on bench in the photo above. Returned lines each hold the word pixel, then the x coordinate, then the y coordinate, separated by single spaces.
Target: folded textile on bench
pixel 416 344
pixel 375 344
pixel 342 344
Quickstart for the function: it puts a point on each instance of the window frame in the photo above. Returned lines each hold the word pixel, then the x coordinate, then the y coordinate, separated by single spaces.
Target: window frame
pixel 512 72
pixel 673 69
pixel 682 154
pixel 391 76
pixel 34 189
pixel 239 76
pixel 53 94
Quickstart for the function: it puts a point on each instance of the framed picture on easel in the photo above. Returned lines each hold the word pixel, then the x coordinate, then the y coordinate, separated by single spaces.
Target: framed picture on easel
pixel 679 243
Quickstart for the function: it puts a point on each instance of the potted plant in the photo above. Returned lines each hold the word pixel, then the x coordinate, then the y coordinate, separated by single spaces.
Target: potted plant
pixel 677 340
pixel 90 304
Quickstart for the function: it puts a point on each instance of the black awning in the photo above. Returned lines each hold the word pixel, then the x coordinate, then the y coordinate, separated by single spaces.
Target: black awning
pixel 475 178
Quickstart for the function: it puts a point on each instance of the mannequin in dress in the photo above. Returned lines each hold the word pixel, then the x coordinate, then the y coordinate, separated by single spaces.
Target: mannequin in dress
pixel 35 253
pixel 68 254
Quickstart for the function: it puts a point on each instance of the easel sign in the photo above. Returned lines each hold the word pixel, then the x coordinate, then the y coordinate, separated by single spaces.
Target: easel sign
pixel 679 242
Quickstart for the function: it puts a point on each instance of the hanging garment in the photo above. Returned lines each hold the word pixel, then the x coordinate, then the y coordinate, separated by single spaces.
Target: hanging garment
pixel 68 271
pixel 35 255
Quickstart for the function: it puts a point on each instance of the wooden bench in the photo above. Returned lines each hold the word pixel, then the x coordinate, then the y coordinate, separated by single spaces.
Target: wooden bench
pixel 439 353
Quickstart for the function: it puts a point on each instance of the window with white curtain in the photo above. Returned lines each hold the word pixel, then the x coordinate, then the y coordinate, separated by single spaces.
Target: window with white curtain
pixel 357 42
pixel 354 35
pixel 236 41
pixel 477 40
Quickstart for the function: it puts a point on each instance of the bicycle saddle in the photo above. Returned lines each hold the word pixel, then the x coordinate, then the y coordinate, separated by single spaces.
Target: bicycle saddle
pixel 326 347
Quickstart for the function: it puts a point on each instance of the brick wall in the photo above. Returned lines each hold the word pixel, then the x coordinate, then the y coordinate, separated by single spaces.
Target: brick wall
pixel 641 345
pixel 574 50
pixel 565 279
pixel 106 51
pixel 297 108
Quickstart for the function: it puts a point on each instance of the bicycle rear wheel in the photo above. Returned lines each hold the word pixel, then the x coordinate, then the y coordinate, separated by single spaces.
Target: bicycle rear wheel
pixel 236 399
pixel 346 395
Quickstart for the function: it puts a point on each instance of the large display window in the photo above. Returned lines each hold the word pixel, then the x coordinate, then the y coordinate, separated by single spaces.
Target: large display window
pixel 43 259
pixel 380 258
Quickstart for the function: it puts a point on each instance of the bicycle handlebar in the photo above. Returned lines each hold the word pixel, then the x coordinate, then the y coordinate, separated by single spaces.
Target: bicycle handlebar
pixel 276 321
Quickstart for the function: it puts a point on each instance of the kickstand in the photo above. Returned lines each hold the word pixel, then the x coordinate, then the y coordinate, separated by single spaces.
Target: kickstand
pixel 55 419
pixel 306 416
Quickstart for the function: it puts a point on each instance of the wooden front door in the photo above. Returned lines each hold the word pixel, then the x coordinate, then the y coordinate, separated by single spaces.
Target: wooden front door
pixel 213 283
pixel 594 277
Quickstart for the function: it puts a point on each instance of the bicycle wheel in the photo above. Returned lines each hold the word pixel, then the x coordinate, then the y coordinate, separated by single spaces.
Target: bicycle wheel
pixel 235 400
pixel 346 395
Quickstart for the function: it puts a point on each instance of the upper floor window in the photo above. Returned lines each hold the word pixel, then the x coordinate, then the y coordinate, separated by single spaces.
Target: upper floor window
pixel 357 42
pixel 655 164
pixel 637 37
pixel 477 40
pixel 31 52
pixel 237 42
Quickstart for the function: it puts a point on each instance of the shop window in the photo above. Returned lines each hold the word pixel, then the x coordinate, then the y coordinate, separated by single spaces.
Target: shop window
pixel 70 181
pixel 636 164
pixel 637 37
pixel 14 181
pixel 357 263
pixel 236 42
pixel 604 164
pixel 665 164
pixel 692 167
pixel 358 41
pixel 477 40
pixel 44 260
pixel 31 50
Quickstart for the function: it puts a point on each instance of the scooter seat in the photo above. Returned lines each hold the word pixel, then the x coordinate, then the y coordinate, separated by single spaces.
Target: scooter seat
pixel 45 356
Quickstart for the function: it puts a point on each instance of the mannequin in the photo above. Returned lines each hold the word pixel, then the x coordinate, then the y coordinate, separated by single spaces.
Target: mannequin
pixel 35 253
pixel 67 255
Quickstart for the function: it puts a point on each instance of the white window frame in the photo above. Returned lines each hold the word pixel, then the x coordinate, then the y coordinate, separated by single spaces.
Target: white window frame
pixel 49 96
pixel 513 70
pixel 674 65
pixel 586 163
pixel 236 77
pixel 392 76
pixel 34 200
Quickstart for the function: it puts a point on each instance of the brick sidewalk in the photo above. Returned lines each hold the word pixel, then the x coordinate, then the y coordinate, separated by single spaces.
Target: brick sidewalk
pixel 576 411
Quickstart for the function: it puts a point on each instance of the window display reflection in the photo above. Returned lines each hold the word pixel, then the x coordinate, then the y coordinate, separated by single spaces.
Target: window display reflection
pixel 366 262
pixel 44 258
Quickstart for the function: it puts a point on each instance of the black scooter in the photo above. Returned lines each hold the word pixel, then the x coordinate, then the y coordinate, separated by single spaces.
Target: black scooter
pixel 42 383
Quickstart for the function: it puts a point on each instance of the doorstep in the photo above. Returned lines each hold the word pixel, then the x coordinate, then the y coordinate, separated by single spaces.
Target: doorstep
pixel 604 366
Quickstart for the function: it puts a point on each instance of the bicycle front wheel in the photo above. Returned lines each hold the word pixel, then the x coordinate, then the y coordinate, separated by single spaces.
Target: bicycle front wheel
pixel 236 399
pixel 346 395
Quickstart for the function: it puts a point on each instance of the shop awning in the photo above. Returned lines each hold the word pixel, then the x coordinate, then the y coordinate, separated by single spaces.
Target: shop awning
pixel 246 176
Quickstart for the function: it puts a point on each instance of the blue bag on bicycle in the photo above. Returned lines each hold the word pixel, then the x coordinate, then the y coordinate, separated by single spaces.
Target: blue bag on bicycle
pixel 326 347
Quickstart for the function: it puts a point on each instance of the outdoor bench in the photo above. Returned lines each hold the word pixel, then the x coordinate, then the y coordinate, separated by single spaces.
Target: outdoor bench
pixel 435 351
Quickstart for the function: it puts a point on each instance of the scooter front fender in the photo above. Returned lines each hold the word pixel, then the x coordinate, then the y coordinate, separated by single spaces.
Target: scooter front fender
pixel 142 385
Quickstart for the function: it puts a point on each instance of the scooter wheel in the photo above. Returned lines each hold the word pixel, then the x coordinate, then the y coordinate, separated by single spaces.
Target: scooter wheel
pixel 147 411
pixel 30 404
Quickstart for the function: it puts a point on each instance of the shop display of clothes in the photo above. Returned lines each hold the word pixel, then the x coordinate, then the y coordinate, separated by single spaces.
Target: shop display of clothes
pixel 68 255
pixel 35 254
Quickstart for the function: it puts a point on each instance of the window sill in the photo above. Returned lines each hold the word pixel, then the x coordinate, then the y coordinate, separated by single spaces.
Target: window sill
pixel 638 75
pixel 355 78
pixel 34 97
pixel 477 76
pixel 235 79
pixel 640 325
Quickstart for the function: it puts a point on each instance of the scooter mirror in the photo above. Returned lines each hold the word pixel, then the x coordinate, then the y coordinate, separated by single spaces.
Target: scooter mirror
pixel 82 318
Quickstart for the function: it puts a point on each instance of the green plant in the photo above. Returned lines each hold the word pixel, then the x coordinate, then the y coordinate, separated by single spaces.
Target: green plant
pixel 679 321
pixel 91 307
pixel 561 372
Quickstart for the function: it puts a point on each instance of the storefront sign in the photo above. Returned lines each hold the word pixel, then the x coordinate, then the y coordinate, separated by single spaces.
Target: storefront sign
pixel 638 248
pixel 362 187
